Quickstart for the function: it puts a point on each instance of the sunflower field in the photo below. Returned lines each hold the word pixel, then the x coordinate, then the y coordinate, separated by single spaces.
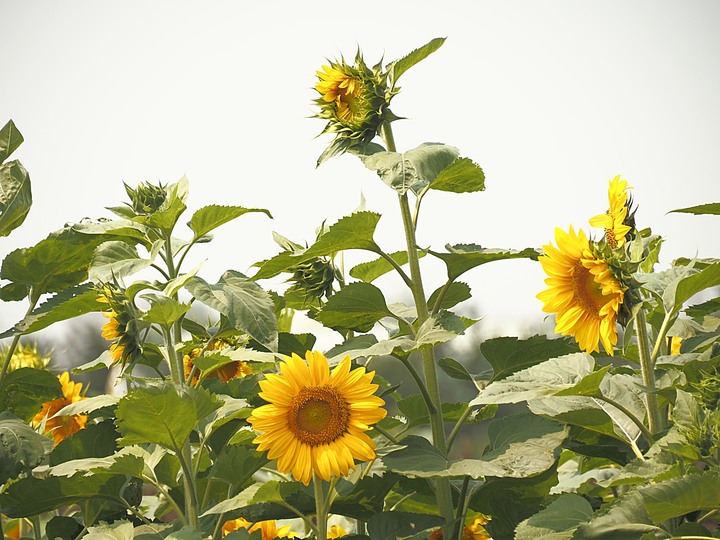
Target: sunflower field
pixel 220 421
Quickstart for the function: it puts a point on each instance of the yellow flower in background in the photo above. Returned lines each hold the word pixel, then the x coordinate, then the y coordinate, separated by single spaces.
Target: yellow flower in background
pixel 227 372
pixel 316 419
pixel 62 427
pixel 26 356
pixel 336 531
pixel 473 530
pixel 675 345
pixel 582 291
pixel 618 221
pixel 269 529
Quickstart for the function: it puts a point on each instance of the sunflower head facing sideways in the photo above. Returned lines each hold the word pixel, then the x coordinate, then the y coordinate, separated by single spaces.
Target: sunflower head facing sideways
pixel 619 219
pixel 316 419
pixel 582 291
pixel 61 427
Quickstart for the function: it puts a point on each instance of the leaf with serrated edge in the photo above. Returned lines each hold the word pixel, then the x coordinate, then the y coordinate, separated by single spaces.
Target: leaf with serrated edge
pixel 400 66
pixel 461 176
pixel 213 216
pixel 709 208
pixel 15 196
pixel 463 257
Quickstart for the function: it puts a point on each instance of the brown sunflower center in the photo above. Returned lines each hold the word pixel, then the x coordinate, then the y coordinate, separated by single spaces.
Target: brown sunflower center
pixel 318 415
pixel 587 293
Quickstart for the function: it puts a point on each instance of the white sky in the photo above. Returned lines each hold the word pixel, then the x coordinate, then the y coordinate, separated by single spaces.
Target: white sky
pixel 551 98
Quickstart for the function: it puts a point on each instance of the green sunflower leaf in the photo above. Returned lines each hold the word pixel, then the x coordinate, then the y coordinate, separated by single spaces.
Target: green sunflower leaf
pixel 21 447
pixel 678 284
pixel 15 196
pixel 10 139
pixel 507 355
pixel 163 310
pixel 357 306
pixel 65 305
pixel 213 216
pixel 120 229
pixel 162 413
pixel 116 259
pixel 441 328
pixel 556 522
pixel 413 170
pixel 246 305
pixel 351 232
pixel 396 68
pixel 393 525
pixel 710 208
pixel 462 176
pixel 23 391
pixel 463 257
pixel 59 261
pixel 172 208
pixel 457 292
pixel 370 271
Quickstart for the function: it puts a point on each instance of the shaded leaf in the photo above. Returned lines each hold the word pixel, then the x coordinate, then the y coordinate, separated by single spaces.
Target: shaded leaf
pixel 23 391
pixel 116 259
pixel 21 448
pixel 454 369
pixel 10 140
pixel 370 271
pixel 457 292
pixel 395 525
pixel 679 496
pixel 96 440
pixel 463 257
pixel 507 355
pixel 556 522
pixel 358 306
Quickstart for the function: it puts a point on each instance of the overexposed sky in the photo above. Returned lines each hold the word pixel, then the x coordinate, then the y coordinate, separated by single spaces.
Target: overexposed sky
pixel 551 98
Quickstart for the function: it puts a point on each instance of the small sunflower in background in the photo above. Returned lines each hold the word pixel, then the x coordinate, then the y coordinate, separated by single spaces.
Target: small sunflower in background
pixel 582 292
pixel 268 528
pixel 62 427
pixel 232 370
pixel 315 420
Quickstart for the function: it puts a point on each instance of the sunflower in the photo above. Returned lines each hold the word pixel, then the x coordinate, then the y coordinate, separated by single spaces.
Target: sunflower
pixel 269 529
pixel 336 531
pixel 62 427
pixel 122 327
pixel 26 355
pixel 618 221
pixel 316 419
pixel 582 290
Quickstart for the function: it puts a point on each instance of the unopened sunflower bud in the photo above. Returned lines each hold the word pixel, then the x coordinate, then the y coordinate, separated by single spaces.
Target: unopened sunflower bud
pixel 313 279
pixel 147 198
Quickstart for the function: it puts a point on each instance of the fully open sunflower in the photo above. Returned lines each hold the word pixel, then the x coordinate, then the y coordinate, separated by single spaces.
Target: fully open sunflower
pixel 582 291
pixel 268 529
pixel 61 427
pixel 316 419
pixel 619 220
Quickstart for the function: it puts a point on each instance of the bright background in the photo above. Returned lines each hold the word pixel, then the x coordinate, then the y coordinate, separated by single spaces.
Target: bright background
pixel 552 99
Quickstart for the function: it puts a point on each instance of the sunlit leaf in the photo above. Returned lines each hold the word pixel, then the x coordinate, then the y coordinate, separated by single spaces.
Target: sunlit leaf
pixel 370 271
pixel 710 208
pixel 10 139
pixel 400 66
pixel 70 303
pixel 120 530
pixel 412 170
pixel 116 259
pixel 15 196
pixel 246 305
pixel 211 217
pixel 163 310
pixel 351 232
pixel 440 328
pixel 162 413
pixel 461 176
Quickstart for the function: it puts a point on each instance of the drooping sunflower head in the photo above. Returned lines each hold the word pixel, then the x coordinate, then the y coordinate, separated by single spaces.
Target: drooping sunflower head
pixel 61 427
pixel 619 220
pixel 316 419
pixel 313 279
pixel 354 100
pixel 582 292
pixel 26 355
pixel 122 326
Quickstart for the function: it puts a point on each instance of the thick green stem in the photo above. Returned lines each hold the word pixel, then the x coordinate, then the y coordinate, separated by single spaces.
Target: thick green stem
pixel 443 490
pixel 647 369
pixel 321 510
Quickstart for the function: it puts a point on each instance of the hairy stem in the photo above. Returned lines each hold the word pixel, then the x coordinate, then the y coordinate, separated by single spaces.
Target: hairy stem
pixel 647 369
